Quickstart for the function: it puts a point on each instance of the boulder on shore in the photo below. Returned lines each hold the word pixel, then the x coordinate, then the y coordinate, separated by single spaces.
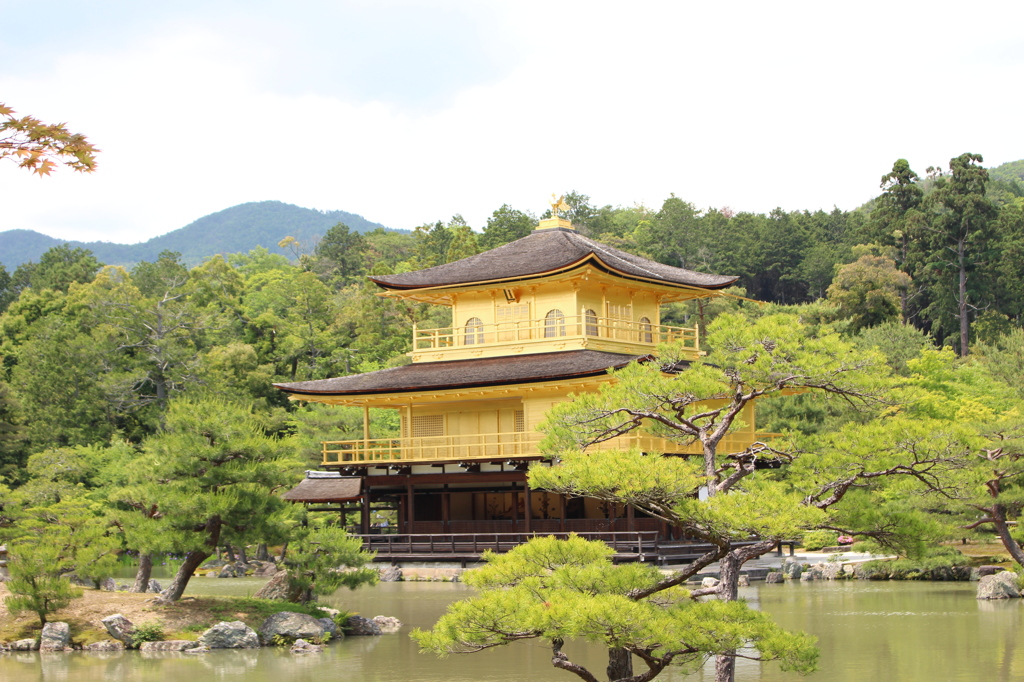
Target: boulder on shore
pixel 277 588
pixel 25 645
pixel 989 570
pixel 330 627
pixel 291 626
pixel 774 577
pixel 154 586
pixel 55 637
pixel 999 586
pixel 119 628
pixel 233 635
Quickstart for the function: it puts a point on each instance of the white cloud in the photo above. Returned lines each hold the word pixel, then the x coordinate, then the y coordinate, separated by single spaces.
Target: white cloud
pixel 747 105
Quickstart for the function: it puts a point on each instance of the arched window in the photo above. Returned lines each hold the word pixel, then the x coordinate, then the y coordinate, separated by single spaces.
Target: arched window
pixel 590 322
pixel 646 333
pixel 474 331
pixel 554 324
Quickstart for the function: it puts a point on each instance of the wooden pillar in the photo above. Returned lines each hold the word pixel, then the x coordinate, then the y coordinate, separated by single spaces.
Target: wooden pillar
pixel 529 508
pixel 630 525
pixel 365 516
pixel 410 507
pixel 561 512
pixel 366 430
pixel 515 509
pixel 446 510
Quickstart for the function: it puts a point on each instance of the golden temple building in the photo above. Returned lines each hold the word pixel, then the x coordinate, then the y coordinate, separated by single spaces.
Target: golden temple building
pixel 533 321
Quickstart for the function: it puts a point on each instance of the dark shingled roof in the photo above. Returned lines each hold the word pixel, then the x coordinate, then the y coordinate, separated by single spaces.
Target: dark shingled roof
pixel 422 376
pixel 325 490
pixel 543 252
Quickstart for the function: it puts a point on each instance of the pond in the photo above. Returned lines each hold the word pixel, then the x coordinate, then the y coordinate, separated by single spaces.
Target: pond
pixel 907 631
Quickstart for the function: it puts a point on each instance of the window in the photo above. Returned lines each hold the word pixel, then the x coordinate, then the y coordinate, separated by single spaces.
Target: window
pixel 513 321
pixel 620 319
pixel 590 322
pixel 427 425
pixel 474 331
pixel 554 324
pixel 646 333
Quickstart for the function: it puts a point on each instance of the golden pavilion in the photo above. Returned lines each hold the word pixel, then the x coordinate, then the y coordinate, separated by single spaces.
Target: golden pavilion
pixel 533 321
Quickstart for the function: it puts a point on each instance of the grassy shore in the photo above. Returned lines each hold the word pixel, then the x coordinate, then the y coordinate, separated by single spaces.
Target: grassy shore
pixel 185 619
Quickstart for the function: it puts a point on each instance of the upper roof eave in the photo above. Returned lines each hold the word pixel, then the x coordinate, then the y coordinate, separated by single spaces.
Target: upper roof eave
pixel 550 252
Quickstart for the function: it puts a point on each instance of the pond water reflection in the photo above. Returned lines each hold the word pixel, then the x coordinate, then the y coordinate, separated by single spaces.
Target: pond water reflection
pixel 905 631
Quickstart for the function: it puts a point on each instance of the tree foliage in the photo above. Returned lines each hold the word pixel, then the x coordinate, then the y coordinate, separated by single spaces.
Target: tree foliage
pixel 39 147
pixel 559 590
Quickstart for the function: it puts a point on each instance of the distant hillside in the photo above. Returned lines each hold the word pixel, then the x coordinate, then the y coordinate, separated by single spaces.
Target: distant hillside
pixel 237 229
pixel 1009 171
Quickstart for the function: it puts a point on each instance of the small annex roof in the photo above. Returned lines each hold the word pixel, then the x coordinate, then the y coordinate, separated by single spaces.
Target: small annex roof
pixel 545 252
pixel 325 486
pixel 477 372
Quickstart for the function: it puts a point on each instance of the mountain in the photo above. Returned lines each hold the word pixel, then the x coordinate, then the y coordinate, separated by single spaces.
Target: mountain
pixel 234 230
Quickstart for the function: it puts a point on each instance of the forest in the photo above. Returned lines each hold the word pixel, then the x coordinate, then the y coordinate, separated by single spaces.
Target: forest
pixel 109 375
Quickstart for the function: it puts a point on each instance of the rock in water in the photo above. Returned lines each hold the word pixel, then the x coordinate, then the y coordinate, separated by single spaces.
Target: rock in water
pixel 709 582
pixel 55 637
pixel 154 586
pixel 999 586
pixel 989 570
pixel 233 635
pixel 119 628
pixel 774 577
pixel 387 624
pixel 301 646
pixel 291 626
pixel 25 645
pixel 390 574
pixel 169 645
pixel 358 626
pixel 105 645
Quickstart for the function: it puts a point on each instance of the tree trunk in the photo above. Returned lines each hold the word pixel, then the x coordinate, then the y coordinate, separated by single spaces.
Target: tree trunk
pixel 962 298
pixel 1003 528
pixel 620 664
pixel 230 552
pixel 241 554
pixel 284 553
pixel 728 590
pixel 261 552
pixel 142 575
pixel 193 560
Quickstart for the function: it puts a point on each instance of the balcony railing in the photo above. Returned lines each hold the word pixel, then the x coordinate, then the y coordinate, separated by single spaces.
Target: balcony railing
pixel 554 329
pixel 496 446
pixel 434 448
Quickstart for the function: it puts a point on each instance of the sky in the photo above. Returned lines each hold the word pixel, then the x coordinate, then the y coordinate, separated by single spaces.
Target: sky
pixel 409 112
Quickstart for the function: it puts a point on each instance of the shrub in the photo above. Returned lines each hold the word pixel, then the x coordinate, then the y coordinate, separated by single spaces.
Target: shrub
pixel 816 539
pixel 147 632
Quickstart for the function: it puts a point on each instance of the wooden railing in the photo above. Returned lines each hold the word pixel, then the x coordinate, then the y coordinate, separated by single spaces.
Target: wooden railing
pixel 635 543
pixel 457 447
pixel 507 445
pixel 552 329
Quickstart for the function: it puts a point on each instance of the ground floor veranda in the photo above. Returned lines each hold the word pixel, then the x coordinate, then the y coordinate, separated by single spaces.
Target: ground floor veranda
pixel 455 514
